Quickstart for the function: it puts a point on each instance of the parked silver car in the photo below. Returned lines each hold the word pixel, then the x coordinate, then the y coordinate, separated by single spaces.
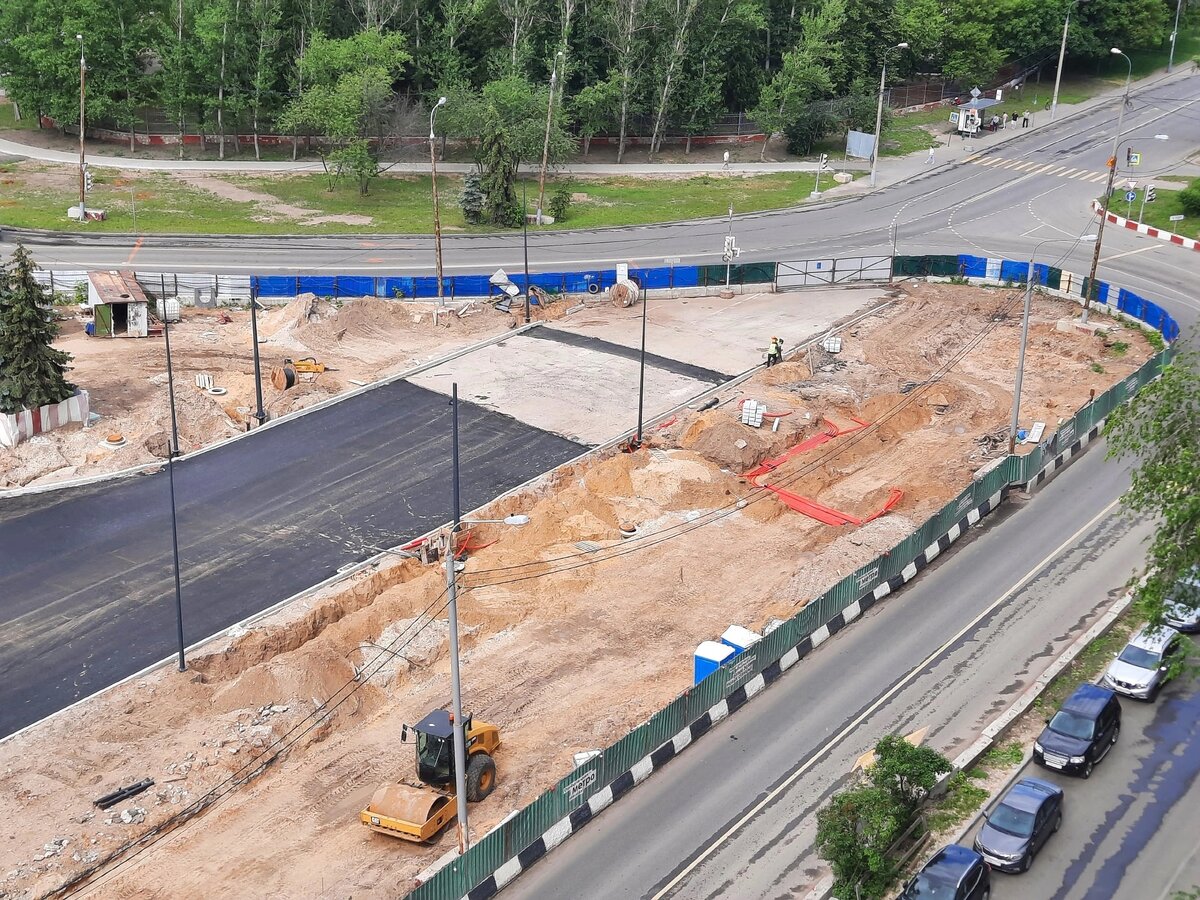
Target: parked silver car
pixel 1141 669
pixel 1182 611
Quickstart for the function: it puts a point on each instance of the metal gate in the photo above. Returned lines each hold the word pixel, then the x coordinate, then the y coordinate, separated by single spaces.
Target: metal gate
pixel 816 272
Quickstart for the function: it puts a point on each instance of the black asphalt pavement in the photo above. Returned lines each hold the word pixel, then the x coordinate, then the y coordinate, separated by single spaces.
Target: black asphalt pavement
pixel 1132 830
pixel 86 586
pixel 654 360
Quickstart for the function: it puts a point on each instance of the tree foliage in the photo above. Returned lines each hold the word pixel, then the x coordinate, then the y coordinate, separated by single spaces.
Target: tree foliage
pixel 1160 428
pixel 630 66
pixel 860 824
pixel 32 371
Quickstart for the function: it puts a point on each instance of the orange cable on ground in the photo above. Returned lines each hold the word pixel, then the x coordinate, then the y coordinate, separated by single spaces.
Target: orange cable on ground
pixel 806 506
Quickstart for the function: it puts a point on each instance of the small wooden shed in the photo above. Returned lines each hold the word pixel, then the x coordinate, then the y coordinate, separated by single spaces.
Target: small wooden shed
pixel 119 305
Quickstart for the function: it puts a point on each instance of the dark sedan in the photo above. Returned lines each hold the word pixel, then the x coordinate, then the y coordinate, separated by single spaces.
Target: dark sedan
pixel 1020 824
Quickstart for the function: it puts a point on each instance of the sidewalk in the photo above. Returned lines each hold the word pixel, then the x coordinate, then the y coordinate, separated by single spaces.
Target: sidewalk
pixel 891 170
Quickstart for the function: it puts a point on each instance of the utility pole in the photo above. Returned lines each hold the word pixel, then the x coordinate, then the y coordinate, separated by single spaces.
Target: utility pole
pixel 1092 291
pixel 1062 52
pixel 259 413
pixel 729 248
pixel 437 213
pixel 82 126
pixel 525 243
pixel 879 108
pixel 642 371
pixel 546 142
pixel 172 452
pixel 1174 37
pixel 460 742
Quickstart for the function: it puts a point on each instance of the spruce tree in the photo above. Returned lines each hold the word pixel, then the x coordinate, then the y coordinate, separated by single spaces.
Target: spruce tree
pixel 32 371
pixel 471 199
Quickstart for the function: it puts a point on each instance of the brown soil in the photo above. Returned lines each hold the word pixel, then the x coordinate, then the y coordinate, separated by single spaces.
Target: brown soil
pixel 272 207
pixel 360 340
pixel 566 661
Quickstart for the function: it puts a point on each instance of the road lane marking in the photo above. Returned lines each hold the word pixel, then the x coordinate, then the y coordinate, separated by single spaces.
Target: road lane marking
pixel 1131 252
pixel 883 701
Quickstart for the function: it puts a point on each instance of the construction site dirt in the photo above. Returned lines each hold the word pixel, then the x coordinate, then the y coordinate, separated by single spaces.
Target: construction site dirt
pixel 565 647
pixel 126 378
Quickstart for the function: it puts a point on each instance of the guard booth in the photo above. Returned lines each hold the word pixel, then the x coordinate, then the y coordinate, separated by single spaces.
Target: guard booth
pixel 119 305
pixel 968 118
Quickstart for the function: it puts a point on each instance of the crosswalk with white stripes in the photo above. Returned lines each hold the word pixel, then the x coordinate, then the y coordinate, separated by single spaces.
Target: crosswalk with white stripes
pixel 1026 167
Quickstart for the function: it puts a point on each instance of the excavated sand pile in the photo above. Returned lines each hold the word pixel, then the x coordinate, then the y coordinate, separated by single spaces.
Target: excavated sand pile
pixel 564 647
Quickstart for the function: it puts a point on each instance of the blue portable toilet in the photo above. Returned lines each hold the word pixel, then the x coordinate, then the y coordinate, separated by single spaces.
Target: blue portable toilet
pixel 739 638
pixel 709 657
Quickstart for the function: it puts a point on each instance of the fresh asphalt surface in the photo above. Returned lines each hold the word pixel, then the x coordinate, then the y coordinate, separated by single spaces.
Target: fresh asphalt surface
pixel 1132 830
pixel 86 584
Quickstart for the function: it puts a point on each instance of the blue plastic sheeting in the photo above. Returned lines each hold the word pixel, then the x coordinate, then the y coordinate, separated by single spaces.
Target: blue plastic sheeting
pixel 1011 270
pixel 321 285
pixel 1102 292
pixel 355 286
pixel 972 266
pixel 471 286
pixel 274 285
pixel 1041 273
pixel 1129 302
pixel 397 287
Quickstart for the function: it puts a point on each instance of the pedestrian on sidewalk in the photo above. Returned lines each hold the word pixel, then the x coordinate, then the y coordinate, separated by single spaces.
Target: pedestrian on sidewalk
pixel 1004 122
pixel 929 158
pixel 774 352
pixel 1025 119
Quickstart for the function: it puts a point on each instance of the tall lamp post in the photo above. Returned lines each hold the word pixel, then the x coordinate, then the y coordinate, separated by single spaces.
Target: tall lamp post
pixel 82 122
pixel 1062 52
pixel 437 214
pixel 1112 173
pixel 457 725
pixel 1016 404
pixel 546 143
pixel 172 452
pixel 259 414
pixel 903 45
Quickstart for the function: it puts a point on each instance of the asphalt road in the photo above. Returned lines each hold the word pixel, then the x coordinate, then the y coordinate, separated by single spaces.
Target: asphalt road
pixel 86 584
pixel 1132 830
pixel 968 207
pixel 948 652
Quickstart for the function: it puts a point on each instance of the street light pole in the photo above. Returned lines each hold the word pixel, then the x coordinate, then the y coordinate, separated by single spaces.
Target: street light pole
pixel 460 741
pixel 546 142
pixel 1174 37
pixel 1112 173
pixel 259 413
pixel 525 243
pixel 642 372
pixel 172 452
pixel 437 214
pixel 879 108
pixel 82 124
pixel 1016 404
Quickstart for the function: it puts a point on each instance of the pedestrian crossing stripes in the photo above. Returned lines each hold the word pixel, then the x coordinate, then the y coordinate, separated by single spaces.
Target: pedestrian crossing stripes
pixel 1029 167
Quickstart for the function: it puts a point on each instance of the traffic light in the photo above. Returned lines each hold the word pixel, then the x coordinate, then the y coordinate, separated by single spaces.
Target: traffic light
pixel 87 180
pixel 1150 195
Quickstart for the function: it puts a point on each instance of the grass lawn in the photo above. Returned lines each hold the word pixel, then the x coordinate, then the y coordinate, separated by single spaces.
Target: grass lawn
pixel 1158 214
pixel 8 117
pixel 38 196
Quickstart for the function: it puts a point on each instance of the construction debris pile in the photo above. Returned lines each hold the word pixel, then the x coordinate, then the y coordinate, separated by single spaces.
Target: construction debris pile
pixel 573 629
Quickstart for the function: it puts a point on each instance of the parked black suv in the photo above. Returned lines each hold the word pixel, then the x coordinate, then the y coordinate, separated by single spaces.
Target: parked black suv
pixel 1081 733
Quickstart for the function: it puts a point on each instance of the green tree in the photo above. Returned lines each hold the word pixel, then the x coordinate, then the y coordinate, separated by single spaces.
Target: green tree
pixel 32 371
pixel 1160 428
pixel 265 16
pixel 854 832
pixel 348 81
pixel 596 108
pixel 471 199
pixel 908 772
pixel 922 25
pixel 807 72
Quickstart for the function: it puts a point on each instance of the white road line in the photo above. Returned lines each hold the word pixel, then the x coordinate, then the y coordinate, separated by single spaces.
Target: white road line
pixel 882 701
pixel 1132 252
pixel 1071 173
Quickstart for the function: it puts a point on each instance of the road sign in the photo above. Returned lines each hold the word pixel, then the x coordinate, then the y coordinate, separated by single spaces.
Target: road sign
pixel 671 260
pixel 1131 196
pixel 1135 159
pixel 1177 218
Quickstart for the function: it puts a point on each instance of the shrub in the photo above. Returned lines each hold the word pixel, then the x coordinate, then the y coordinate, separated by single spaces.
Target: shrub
pixel 560 202
pixel 1189 198
pixel 809 127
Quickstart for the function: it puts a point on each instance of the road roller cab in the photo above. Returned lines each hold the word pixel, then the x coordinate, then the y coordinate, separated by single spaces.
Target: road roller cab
pixel 419 811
